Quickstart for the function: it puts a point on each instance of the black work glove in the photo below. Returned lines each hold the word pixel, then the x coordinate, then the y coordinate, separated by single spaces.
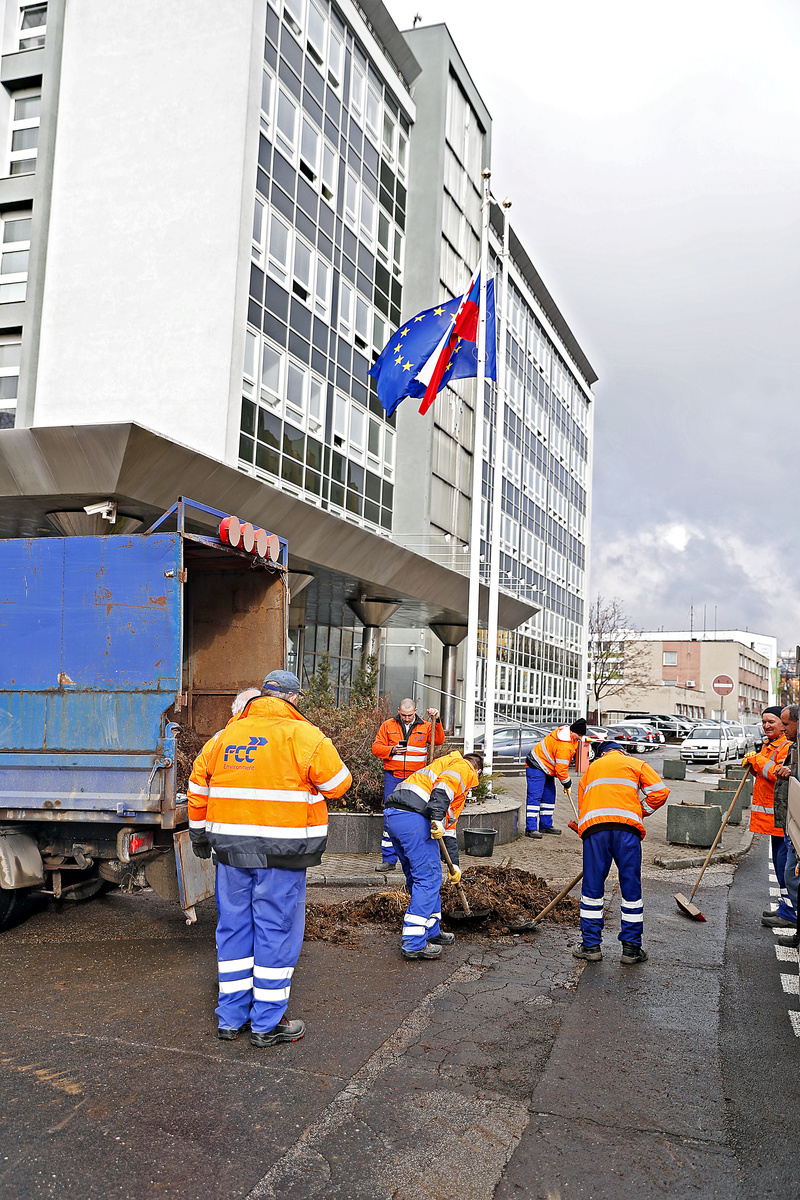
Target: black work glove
pixel 202 849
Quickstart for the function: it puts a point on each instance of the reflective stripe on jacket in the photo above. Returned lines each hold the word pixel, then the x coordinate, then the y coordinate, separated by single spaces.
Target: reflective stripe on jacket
pixel 437 791
pixel 619 790
pixel 763 764
pixel 410 750
pixel 554 753
pixel 258 793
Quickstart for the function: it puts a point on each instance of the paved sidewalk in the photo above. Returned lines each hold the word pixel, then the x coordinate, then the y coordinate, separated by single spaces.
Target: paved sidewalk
pixel 558 859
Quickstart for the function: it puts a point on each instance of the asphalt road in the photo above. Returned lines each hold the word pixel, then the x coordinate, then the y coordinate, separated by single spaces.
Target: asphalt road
pixel 503 1069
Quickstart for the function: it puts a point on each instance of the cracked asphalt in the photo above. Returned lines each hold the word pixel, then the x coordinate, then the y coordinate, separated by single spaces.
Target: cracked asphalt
pixel 505 1068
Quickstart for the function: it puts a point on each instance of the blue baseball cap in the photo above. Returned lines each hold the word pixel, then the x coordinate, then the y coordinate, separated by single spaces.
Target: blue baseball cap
pixel 281 681
pixel 603 748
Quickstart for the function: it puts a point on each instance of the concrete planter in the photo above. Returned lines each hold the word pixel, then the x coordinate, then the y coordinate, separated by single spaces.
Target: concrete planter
pixel 506 816
pixel 693 824
pixel 736 772
pixel 354 833
pixel 724 799
pixel 674 769
pixel 360 833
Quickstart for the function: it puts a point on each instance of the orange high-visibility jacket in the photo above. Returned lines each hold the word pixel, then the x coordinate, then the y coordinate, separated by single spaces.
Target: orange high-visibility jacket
pixel 618 790
pixel 409 755
pixel 771 755
pixel 438 791
pixel 554 753
pixel 259 793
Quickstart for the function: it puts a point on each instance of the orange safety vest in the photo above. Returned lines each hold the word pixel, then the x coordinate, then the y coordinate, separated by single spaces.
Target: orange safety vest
pixel 450 777
pixel 763 765
pixel 410 753
pixel 554 753
pixel 618 790
pixel 258 793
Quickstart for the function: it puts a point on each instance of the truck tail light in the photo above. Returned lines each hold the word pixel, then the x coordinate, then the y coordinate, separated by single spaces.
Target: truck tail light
pixel 133 841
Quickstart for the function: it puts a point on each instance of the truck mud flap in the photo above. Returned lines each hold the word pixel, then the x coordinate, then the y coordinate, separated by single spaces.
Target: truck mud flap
pixel 184 879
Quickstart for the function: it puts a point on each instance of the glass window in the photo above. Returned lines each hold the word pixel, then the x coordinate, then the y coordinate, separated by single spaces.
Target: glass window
pixel 316 33
pixel 367 215
pixel 293 12
pixel 384 235
pixel 287 121
pixel 329 162
pixel 302 268
pixel 670 658
pixel 357 86
pixel 373 111
pixel 24 134
pixel 322 286
pixel 10 354
pixel 402 154
pixel 296 388
pixel 17 229
pixel 362 321
pixel 351 198
pixel 250 341
pixel 345 306
pixel 380 331
pixel 309 148
pixel 278 246
pixel 271 369
pixel 388 452
pixel 258 230
pixel 374 445
pixel 389 136
pixel 335 58
pixel 357 422
pixel 33 25
pixel 267 94
pixel 340 416
pixel 27 107
pixel 11 292
pixel 316 400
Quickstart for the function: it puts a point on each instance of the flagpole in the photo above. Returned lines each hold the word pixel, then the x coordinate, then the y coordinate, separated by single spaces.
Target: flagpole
pixel 471 650
pixel 497 496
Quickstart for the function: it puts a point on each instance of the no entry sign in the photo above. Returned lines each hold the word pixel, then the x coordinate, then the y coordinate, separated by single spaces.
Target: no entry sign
pixel 722 685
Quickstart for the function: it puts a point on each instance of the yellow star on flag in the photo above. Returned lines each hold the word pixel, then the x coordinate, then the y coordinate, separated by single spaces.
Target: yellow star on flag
pixel 437 312
pixel 398 361
pixel 407 366
pixel 421 317
pixel 404 332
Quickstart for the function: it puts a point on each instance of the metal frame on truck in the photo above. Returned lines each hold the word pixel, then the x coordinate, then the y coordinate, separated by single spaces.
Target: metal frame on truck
pixel 110 648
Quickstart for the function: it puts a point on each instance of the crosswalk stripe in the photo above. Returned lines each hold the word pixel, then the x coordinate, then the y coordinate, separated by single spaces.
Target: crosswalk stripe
pixel 790 984
pixel 774 891
pixel 786 954
pixel 794 1017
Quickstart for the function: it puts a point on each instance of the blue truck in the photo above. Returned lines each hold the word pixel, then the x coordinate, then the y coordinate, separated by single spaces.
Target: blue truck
pixel 113 649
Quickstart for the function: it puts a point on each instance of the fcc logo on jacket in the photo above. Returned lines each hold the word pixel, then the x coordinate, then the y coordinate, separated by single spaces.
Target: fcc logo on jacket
pixel 244 754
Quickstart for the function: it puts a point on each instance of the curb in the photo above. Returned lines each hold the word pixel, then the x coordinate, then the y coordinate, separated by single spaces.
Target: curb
pixel 374 880
pixel 679 864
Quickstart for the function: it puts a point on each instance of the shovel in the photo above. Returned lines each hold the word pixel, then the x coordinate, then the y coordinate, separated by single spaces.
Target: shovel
pixel 685 905
pixel 525 926
pixel 468 915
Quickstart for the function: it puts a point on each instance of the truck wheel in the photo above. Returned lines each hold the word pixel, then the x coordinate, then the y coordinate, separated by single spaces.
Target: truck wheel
pixel 11 900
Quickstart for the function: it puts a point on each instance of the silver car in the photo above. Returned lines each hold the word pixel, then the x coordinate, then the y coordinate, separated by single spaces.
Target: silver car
pixel 708 744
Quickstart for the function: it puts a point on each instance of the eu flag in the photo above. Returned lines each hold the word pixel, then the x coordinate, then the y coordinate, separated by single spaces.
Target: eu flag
pixel 408 350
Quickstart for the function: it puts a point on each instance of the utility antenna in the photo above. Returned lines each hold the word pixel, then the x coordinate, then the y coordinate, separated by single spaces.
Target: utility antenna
pixel 417 17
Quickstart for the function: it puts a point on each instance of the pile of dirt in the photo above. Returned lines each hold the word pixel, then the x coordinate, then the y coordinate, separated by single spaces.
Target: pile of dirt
pixel 512 895
pixel 189 744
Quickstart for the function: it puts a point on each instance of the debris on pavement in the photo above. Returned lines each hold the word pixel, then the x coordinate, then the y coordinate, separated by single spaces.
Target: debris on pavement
pixel 511 894
pixel 188 745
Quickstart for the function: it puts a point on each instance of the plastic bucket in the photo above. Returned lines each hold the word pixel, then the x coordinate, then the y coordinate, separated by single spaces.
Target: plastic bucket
pixel 479 843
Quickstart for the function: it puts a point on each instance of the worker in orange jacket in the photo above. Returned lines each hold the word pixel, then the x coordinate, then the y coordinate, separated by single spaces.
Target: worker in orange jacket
pixel 416 817
pixel 257 800
pixel 402 744
pixel 763 765
pixel 615 794
pixel 547 762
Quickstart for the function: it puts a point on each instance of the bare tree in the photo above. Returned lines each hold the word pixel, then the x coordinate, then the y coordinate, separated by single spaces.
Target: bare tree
pixel 618 660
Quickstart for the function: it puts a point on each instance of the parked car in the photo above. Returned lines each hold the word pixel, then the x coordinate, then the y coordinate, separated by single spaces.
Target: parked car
pixel 597 733
pixel 755 733
pixel 632 737
pixel 513 741
pixel 662 722
pixel 650 736
pixel 738 732
pixel 704 743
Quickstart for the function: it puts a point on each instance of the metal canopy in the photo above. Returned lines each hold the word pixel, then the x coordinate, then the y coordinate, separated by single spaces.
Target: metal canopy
pixel 62 468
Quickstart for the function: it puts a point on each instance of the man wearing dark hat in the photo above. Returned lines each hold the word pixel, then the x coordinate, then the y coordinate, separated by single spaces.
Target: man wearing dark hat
pixel 764 765
pixel 258 801
pixel 548 761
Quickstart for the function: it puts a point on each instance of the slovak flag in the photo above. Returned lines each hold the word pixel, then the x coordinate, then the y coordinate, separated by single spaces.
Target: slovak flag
pixel 463 329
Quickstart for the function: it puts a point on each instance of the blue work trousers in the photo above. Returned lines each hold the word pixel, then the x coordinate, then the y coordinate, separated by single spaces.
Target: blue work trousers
pixel 388 854
pixel 624 847
pixel 260 927
pixel 419 855
pixel 782 851
pixel 541 800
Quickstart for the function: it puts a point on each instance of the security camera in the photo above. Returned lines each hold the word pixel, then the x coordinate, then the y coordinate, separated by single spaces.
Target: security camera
pixel 107 509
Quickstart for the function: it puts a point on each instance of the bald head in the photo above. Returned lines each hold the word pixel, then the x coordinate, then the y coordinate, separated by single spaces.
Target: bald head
pixel 407 710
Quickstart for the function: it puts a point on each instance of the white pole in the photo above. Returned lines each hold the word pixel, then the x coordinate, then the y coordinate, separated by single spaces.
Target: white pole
pixel 493 541
pixel 471 649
